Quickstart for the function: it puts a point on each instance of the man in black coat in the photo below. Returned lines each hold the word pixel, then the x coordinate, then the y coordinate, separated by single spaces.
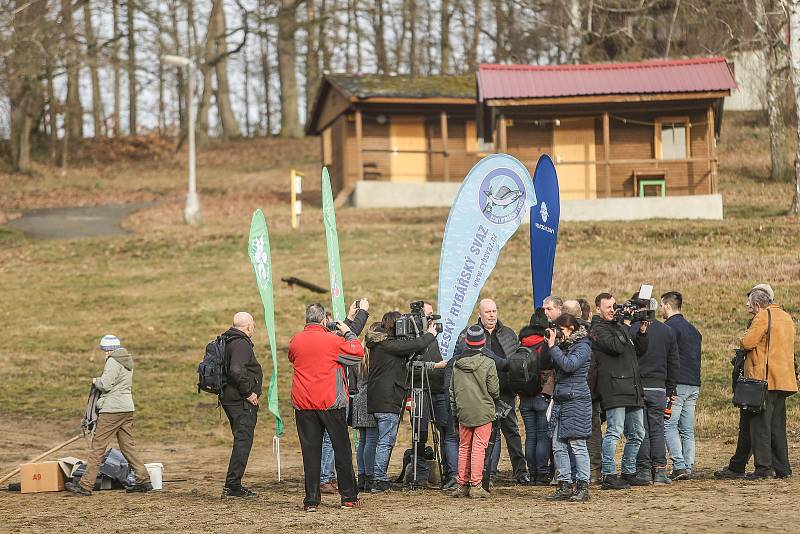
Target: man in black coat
pixel 619 385
pixel 240 400
pixel 679 429
pixel 502 342
pixel 659 367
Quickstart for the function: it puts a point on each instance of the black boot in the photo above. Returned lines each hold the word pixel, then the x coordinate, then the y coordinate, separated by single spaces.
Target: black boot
pixel 581 492
pixel 563 493
pixel 362 480
pixel 367 483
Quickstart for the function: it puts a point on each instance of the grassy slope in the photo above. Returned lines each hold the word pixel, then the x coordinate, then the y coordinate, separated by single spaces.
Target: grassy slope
pixel 168 289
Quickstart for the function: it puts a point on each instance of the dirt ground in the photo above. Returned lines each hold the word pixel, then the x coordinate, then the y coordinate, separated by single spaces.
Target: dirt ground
pixel 700 505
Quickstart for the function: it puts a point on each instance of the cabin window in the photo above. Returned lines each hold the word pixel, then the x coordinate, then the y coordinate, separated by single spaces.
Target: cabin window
pixel 327 147
pixel 672 138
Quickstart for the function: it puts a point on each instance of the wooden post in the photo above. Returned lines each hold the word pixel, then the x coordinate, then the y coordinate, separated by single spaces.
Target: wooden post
pixel 711 151
pixel 607 153
pixel 443 122
pixel 359 132
pixel 502 134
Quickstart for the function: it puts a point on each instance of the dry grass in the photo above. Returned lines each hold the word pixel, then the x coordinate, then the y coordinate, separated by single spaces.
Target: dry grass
pixel 167 289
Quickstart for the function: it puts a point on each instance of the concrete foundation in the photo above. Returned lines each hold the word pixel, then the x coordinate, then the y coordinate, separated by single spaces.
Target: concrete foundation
pixel 441 195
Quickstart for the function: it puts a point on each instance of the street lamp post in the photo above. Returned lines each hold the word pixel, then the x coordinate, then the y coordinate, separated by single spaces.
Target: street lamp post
pixel 191 211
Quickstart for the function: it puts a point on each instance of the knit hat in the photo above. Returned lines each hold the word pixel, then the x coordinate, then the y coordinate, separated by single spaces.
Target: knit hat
pixel 766 288
pixel 475 336
pixel 109 343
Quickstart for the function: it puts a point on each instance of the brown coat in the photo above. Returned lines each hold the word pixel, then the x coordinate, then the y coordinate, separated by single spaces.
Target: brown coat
pixel 780 358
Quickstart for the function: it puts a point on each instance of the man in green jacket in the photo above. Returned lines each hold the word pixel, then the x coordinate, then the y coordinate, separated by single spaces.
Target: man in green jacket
pixel 473 391
pixel 115 419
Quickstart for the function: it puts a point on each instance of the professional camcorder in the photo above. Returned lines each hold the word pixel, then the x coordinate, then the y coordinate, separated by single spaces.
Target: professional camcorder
pixel 413 325
pixel 641 308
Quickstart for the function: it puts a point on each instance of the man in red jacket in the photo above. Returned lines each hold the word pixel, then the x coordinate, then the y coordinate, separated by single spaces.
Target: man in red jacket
pixel 320 398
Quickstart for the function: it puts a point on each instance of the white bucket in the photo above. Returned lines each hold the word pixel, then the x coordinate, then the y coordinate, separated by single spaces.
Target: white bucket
pixel 155 471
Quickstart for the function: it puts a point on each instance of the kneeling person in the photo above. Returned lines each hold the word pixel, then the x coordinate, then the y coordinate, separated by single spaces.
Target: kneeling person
pixel 475 388
pixel 115 419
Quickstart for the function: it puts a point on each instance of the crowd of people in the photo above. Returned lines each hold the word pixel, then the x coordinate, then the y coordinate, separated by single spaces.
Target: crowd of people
pixel 570 369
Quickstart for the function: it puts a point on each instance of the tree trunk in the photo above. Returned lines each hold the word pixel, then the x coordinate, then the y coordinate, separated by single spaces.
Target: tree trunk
pixel 97 97
pixel 572 36
pixel 52 114
pixel 115 63
pixel 500 32
pixel 444 43
pixel 472 54
pixel 266 72
pixel 181 88
pixel 322 37
pixel 412 33
pixel 380 39
pixel 794 47
pixel 230 126
pixel 287 25
pixel 132 124
pixel 313 25
pixel 771 32
pixel 74 122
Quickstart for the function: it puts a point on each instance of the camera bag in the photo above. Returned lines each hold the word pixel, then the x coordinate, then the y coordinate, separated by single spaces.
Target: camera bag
pixel 212 373
pixel 750 394
pixel 524 369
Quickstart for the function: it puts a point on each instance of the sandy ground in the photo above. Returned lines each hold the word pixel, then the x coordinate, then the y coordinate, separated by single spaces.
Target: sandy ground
pixel 700 505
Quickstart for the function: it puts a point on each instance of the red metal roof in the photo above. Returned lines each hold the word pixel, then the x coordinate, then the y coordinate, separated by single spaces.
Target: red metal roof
pixel 647 77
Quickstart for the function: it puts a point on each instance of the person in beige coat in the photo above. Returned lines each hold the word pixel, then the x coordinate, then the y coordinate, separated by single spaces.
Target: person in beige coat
pixel 115 419
pixel 770 344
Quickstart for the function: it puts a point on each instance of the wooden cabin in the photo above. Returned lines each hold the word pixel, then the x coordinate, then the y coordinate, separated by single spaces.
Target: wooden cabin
pixel 613 130
pixel 395 128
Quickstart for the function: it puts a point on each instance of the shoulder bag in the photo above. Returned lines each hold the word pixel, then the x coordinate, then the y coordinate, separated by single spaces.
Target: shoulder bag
pixel 751 394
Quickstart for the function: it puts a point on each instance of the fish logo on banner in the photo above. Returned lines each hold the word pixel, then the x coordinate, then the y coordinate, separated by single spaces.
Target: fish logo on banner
pixel 488 209
pixel 544 231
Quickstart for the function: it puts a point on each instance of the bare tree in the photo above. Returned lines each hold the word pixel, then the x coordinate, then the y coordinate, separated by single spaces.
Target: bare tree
pixel 287 25
pixel 380 38
pixel 115 63
pixel 74 110
pixel 313 25
pixel 132 88
pixel 792 7
pixel 771 30
pixel 230 126
pixel 91 52
pixel 444 43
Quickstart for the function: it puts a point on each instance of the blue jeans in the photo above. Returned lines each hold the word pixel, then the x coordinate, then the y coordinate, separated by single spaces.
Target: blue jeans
pixel 328 472
pixel 537 442
pixel 365 454
pixel 630 420
pixel 448 434
pixel 570 456
pixel 679 428
pixel 387 434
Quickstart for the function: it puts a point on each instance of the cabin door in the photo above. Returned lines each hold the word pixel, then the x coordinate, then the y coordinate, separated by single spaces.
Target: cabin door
pixel 409 156
pixel 574 150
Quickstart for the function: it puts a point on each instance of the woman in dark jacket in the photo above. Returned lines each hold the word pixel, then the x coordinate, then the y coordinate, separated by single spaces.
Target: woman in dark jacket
pixel 571 417
pixel 387 384
pixel 364 422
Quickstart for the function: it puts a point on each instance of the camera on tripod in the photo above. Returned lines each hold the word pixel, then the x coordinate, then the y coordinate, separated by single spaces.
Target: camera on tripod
pixel 413 325
pixel 640 308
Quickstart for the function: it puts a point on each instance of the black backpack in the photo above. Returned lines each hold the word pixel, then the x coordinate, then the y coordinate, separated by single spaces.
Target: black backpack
pixel 213 370
pixel 523 371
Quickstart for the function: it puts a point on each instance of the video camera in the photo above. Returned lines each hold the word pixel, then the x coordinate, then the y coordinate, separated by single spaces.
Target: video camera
pixel 642 308
pixel 415 324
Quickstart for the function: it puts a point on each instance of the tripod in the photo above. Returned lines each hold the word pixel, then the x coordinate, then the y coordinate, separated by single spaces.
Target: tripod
pixel 420 393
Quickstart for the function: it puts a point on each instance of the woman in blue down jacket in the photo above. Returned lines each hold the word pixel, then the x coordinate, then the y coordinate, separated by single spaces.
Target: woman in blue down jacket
pixel 571 417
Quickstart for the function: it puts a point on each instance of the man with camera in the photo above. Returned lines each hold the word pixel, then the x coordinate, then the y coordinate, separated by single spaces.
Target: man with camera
pixel 679 429
pixel 389 357
pixel 658 367
pixel 356 320
pixel 320 398
pixel 769 346
pixel 620 387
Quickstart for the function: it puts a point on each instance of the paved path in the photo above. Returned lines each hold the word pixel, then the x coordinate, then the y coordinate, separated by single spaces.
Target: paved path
pixel 71 223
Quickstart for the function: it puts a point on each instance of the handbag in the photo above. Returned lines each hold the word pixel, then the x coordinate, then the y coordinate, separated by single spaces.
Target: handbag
pixel 750 394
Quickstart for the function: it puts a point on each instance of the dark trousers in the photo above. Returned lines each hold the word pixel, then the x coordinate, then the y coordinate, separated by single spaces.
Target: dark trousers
pixel 764 435
pixel 242 417
pixel 595 441
pixel 653 452
pixel 510 431
pixel 311 424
